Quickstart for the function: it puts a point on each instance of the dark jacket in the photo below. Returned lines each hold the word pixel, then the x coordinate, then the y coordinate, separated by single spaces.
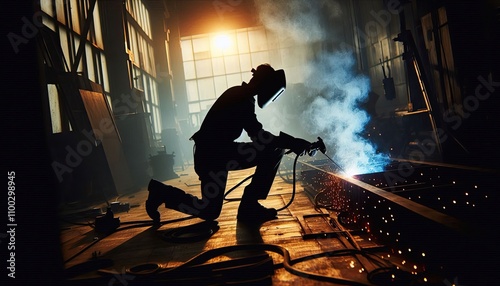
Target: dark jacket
pixel 232 112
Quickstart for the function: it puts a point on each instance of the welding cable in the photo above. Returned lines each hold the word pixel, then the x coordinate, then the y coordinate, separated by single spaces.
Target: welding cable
pixel 133 224
pixel 242 269
pixel 150 222
pixel 253 269
pixel 191 233
pixel 249 177
pixel 84 249
pixel 294 180
pixel 183 270
pixel 234 188
pixel 77 223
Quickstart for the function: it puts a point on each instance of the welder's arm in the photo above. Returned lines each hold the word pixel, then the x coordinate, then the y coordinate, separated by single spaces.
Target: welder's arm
pixel 260 136
pixel 283 141
pixel 297 145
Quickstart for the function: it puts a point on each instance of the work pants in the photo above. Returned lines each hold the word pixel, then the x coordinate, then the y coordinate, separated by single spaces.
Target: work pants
pixel 212 164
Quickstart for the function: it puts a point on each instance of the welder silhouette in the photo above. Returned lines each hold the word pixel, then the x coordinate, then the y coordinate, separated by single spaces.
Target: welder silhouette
pixel 216 153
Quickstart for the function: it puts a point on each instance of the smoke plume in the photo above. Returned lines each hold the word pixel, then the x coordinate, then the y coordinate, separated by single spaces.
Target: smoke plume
pixel 335 89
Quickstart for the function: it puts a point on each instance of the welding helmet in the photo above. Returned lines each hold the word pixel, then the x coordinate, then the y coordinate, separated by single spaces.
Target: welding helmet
pixel 270 84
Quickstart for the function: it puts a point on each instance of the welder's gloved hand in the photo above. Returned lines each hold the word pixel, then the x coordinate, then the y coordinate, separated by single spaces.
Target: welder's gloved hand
pixel 297 145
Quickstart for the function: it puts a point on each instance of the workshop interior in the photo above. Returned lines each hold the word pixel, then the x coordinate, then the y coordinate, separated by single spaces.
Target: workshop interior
pixel 400 98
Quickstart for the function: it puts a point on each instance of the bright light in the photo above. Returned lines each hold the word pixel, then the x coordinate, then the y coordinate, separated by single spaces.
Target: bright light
pixel 351 172
pixel 222 41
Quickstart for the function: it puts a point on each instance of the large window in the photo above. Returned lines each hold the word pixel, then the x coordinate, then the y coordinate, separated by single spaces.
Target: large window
pixel 214 62
pixel 66 19
pixel 144 71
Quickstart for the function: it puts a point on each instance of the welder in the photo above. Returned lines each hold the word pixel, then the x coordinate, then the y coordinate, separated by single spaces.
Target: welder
pixel 216 153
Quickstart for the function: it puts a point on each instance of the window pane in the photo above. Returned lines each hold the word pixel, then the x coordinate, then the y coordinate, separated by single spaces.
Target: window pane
pixel 189 71
pixel 133 42
pixel 201 48
pixel 47 7
pixel 105 79
pixel 64 44
pixel 232 64
pixel 76 40
pixel 200 44
pixel 246 63
pixel 97 25
pixel 242 39
pixel 205 105
pixel 151 61
pixel 89 56
pixel 257 40
pixel 218 66
pixel 220 85
pixel 202 55
pixel 204 68
pixel 49 22
pixel 60 11
pixel 74 16
pixel 192 90
pixel 234 79
pixel 55 113
pixel 246 76
pixel 215 45
pixel 206 89
pixel 194 108
pixel 232 45
pixel 187 50
pixel 194 119
pixel 260 58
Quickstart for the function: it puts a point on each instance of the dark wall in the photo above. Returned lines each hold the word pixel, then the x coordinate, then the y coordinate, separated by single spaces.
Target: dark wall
pixel 460 59
pixel 475 34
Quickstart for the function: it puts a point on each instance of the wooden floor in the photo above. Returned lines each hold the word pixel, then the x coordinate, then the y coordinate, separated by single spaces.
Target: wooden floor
pixel 135 243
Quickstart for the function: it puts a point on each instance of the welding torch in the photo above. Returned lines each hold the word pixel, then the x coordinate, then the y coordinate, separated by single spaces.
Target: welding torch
pixel 318 146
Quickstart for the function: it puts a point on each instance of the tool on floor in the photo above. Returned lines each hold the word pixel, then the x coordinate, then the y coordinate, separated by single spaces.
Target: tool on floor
pixel 107 223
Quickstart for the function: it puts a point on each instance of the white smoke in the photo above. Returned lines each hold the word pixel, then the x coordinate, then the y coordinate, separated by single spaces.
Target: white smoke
pixel 297 18
pixel 335 113
pixel 334 87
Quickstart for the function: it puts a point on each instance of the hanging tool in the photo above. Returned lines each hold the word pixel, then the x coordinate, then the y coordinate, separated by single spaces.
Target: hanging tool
pixel 388 82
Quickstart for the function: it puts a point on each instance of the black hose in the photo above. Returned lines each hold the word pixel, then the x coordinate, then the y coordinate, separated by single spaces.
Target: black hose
pixel 184 269
pixel 234 188
pixel 293 185
pixel 132 224
pixel 249 177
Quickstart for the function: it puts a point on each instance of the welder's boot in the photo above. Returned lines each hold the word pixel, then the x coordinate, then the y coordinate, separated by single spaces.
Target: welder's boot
pixel 252 212
pixel 160 193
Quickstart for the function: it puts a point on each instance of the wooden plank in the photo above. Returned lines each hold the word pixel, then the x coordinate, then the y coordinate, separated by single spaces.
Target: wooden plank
pixel 105 132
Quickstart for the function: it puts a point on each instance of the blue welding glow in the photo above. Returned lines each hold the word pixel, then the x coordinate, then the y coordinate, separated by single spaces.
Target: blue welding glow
pixel 335 90
pixel 334 112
